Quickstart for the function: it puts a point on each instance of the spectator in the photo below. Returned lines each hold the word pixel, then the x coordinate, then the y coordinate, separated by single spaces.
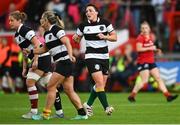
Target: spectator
pixel 176 47
pixel 73 12
pixel 7 6
pixel 57 6
pixel 5 66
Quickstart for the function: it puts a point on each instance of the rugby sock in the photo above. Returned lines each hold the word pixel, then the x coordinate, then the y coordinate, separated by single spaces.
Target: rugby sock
pixel 92 97
pixel 81 111
pixel 46 113
pixel 33 97
pixel 57 104
pixel 102 97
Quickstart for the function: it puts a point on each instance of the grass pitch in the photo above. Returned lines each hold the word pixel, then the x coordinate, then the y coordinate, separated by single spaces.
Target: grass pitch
pixel 150 108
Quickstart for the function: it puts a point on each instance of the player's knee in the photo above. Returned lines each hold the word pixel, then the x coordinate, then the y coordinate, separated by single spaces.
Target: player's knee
pixel 30 82
pixel 158 79
pixel 51 87
pixel 44 80
pixel 33 76
pixel 68 90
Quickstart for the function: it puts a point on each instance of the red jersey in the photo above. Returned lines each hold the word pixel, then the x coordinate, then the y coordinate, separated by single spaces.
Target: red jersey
pixel 146 56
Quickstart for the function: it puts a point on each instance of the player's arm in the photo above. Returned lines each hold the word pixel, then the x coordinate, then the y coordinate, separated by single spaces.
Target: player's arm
pixel 41 50
pixel 140 48
pixel 79 34
pixel 36 51
pixel 112 36
pixel 158 49
pixel 25 63
pixel 36 44
pixel 77 38
pixel 66 42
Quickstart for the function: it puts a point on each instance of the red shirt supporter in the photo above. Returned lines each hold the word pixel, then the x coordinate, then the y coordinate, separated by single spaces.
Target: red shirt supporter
pixel 147 56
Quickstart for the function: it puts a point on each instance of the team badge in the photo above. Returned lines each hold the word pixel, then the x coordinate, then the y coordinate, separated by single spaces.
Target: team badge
pixel 50 36
pixel 19 39
pixel 97 67
pixel 101 28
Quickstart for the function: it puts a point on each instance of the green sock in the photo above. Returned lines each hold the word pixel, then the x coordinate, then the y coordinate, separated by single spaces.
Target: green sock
pixel 103 99
pixel 92 97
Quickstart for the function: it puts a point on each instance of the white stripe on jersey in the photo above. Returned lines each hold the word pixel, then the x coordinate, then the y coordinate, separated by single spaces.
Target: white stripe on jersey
pixel 50 37
pixel 30 47
pixel 57 49
pixel 96 44
pixel 110 28
pixel 60 33
pixel 29 35
pixel 19 39
pixel 97 56
pixel 44 54
pixel 79 32
pixel 63 58
pixel 94 29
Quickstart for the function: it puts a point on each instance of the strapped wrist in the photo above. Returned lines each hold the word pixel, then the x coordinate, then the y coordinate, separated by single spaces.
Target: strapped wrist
pixel 32 51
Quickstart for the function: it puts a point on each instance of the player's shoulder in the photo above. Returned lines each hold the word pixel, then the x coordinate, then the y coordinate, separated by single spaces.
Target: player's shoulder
pixel 56 28
pixel 25 28
pixel 140 38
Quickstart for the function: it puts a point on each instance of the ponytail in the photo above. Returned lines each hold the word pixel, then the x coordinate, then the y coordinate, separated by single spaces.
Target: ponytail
pixel 60 23
pixel 53 18
pixel 23 16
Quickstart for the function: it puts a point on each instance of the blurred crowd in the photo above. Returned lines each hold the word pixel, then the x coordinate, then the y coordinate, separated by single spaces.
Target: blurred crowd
pixel 122 14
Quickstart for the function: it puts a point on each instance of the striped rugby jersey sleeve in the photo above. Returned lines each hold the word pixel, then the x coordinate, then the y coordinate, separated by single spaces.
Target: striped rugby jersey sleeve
pixel 58 32
pixel 109 26
pixel 27 32
pixel 80 30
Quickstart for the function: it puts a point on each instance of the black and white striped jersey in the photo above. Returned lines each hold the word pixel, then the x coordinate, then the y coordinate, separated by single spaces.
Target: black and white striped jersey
pixel 95 47
pixel 56 48
pixel 23 38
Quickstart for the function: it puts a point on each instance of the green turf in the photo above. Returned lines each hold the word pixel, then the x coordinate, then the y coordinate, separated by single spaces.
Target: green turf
pixel 149 108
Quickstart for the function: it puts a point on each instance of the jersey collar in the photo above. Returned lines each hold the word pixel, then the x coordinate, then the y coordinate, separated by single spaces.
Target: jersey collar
pixel 98 19
pixel 19 27
pixel 51 27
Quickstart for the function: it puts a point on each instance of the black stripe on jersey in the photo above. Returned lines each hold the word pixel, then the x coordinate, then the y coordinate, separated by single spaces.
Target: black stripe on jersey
pixel 53 44
pixel 93 36
pixel 24 30
pixel 102 50
pixel 59 55
pixel 25 44
pixel 16 34
pixel 30 56
pixel 55 29
pixel 101 22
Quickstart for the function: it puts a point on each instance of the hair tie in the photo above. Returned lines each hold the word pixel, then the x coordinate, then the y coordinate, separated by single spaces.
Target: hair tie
pixel 57 15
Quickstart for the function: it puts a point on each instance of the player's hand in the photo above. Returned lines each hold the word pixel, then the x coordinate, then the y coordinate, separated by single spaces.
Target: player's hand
pixel 159 52
pixel 72 58
pixel 24 72
pixel 76 38
pixel 26 52
pixel 34 64
pixel 102 36
pixel 153 48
